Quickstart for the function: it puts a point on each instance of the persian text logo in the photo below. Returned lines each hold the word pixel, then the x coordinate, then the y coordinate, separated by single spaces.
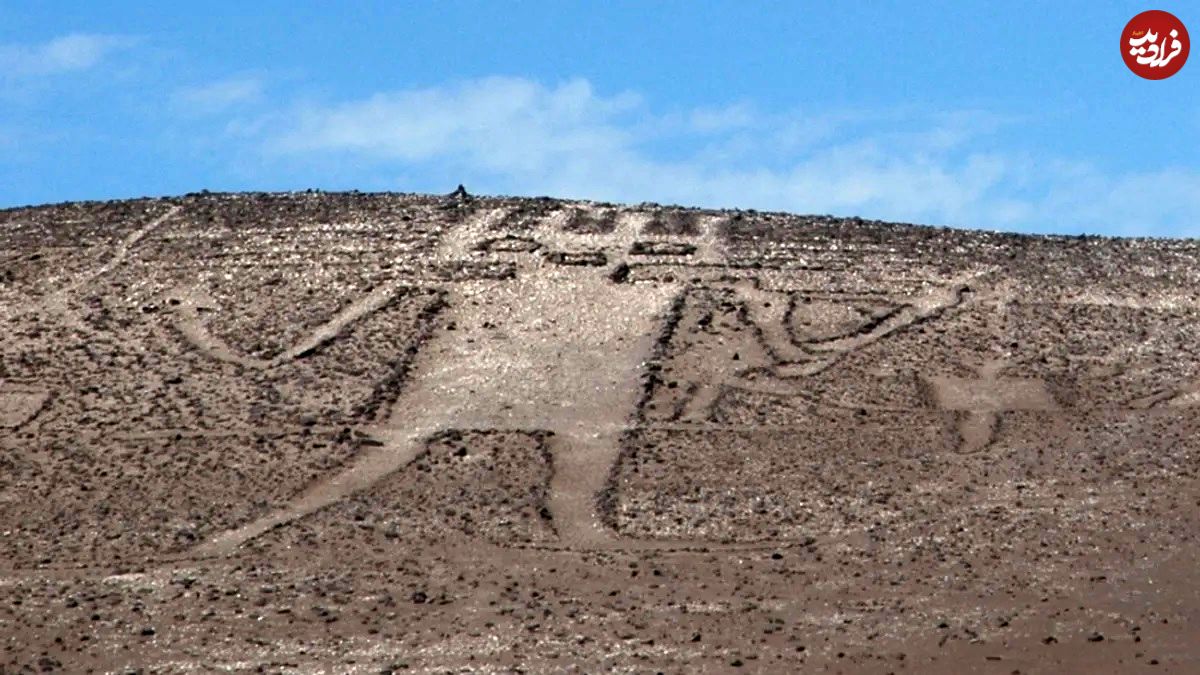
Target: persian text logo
pixel 1155 44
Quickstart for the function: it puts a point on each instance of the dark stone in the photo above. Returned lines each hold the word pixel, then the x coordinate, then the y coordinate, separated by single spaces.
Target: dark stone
pixel 661 248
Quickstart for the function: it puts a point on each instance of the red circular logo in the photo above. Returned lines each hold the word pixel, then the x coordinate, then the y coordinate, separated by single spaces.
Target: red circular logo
pixel 1155 44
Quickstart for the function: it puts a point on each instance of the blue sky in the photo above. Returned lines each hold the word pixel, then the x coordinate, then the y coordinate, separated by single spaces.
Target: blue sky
pixel 999 115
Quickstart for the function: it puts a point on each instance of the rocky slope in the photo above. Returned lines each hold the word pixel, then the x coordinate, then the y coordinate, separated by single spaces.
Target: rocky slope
pixel 317 432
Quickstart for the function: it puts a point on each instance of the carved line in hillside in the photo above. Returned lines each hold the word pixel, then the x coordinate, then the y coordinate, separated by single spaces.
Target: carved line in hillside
pixel 188 304
pixel 573 519
pixel 482 236
pixel 361 474
pixel 763 313
pixel 315 496
pixel 20 405
pixel 977 401
pixel 978 422
pixel 581 467
pixel 552 238
pixel 871 322
pixel 124 249
pixel 795 355
pixel 459 388
pixel 790 362
pixel 59 301
pixel 921 310
pixel 628 237
pixel 397 447
pixel 625 543
pixel 583 539
pixel 386 392
pixel 457 246
pixel 1186 395
pixel 808 356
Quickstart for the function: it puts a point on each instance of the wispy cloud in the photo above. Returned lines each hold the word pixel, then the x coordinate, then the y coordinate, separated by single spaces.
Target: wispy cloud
pixel 74 52
pixel 505 125
pixel 519 136
pixel 218 96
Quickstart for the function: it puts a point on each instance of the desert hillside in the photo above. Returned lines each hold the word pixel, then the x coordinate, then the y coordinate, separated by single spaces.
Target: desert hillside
pixel 318 432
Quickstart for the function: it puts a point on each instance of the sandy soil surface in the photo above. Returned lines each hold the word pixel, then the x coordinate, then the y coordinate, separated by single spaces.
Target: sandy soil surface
pixel 377 433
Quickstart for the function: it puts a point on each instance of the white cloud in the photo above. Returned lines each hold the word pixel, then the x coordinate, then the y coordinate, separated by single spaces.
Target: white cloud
pixel 518 136
pixel 495 124
pixel 220 95
pixel 74 52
